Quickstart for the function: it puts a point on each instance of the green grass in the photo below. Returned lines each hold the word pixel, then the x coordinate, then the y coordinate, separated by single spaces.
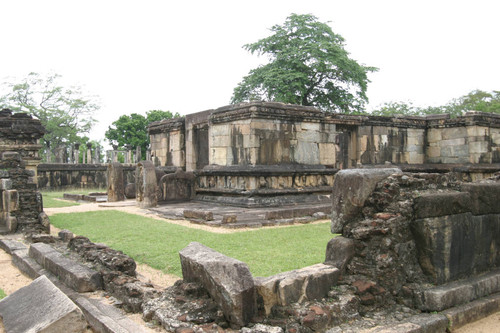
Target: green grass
pixel 50 197
pixel 267 251
pixel 2 294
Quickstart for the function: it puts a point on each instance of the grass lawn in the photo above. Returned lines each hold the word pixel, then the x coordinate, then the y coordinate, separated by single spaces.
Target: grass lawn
pixel 49 197
pixel 2 294
pixel 267 251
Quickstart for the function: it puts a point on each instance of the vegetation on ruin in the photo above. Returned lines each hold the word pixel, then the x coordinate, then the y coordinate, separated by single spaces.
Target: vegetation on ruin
pixel 476 100
pixel 65 112
pixel 267 251
pixel 308 65
pixel 133 129
pixel 2 294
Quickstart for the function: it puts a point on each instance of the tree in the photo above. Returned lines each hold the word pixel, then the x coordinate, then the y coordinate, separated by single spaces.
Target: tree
pixel 476 100
pixel 308 66
pixel 132 129
pixel 64 112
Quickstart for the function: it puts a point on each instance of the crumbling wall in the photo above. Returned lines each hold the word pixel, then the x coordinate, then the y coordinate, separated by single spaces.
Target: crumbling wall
pixel 401 231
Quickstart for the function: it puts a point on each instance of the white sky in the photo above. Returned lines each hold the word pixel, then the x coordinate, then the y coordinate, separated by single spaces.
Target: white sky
pixel 187 56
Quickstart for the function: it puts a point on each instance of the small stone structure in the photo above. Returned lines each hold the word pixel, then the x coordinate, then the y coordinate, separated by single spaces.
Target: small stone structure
pixel 116 183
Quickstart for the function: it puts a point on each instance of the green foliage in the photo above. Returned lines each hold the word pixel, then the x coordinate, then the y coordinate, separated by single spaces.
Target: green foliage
pixel 132 129
pixel 64 111
pixel 157 243
pixel 308 66
pixel 476 100
pixel 2 294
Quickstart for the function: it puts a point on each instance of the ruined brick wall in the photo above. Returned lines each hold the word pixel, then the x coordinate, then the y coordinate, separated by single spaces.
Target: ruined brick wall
pixel 408 229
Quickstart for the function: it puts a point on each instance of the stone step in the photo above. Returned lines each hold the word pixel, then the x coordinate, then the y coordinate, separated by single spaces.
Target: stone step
pixel 101 317
pixel 76 276
pixel 460 292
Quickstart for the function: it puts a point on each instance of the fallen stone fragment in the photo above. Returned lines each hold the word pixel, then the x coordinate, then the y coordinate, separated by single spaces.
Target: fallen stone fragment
pixel 41 307
pixel 227 280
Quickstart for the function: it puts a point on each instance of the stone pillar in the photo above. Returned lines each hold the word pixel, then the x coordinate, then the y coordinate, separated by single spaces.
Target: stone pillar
pixel 146 185
pixel 76 152
pixel 138 154
pixel 97 155
pixel 114 154
pixel 60 154
pixel 148 154
pixel 128 154
pixel 89 153
pixel 116 185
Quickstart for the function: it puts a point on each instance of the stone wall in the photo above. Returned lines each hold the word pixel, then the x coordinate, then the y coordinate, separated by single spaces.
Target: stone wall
pixel 167 139
pixel 473 138
pixel 267 133
pixel 66 176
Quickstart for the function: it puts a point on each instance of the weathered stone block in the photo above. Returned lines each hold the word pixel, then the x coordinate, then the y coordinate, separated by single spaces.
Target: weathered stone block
pixel 78 277
pixel 484 197
pixel 299 285
pixel 198 214
pixel 5 184
pixel 350 190
pixel 116 185
pixel 454 133
pixel 434 135
pixel 10 200
pixel 41 307
pixel 433 152
pixel 327 153
pixel 227 280
pixel 339 252
pixel 440 204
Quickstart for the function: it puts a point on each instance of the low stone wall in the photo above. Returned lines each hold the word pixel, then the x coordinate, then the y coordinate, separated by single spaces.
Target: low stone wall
pixel 65 176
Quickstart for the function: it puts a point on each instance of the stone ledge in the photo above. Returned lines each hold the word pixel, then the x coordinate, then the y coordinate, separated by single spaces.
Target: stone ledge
pixel 10 246
pixel 101 317
pixel 441 204
pixel 74 275
pixel 473 311
pixel 460 292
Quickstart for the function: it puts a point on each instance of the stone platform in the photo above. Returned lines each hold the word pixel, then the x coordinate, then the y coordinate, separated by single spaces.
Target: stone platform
pixel 218 215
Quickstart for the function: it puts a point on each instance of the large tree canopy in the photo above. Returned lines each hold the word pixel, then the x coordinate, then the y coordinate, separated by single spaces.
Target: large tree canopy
pixel 64 111
pixel 308 65
pixel 132 129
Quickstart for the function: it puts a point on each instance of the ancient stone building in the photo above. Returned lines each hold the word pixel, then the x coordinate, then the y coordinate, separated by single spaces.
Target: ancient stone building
pixel 252 153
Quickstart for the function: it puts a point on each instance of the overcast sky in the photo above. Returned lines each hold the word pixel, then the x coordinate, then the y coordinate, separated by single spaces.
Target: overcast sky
pixel 187 56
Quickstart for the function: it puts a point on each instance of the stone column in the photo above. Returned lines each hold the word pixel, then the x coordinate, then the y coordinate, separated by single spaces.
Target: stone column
pixel 116 186
pixel 128 154
pixel 138 154
pixel 114 154
pixel 89 153
pixel 148 154
pixel 97 155
pixel 146 185
pixel 76 152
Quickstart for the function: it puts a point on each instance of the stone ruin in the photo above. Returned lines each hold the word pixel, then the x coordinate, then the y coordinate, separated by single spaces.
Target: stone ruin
pixel 21 208
pixel 412 247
